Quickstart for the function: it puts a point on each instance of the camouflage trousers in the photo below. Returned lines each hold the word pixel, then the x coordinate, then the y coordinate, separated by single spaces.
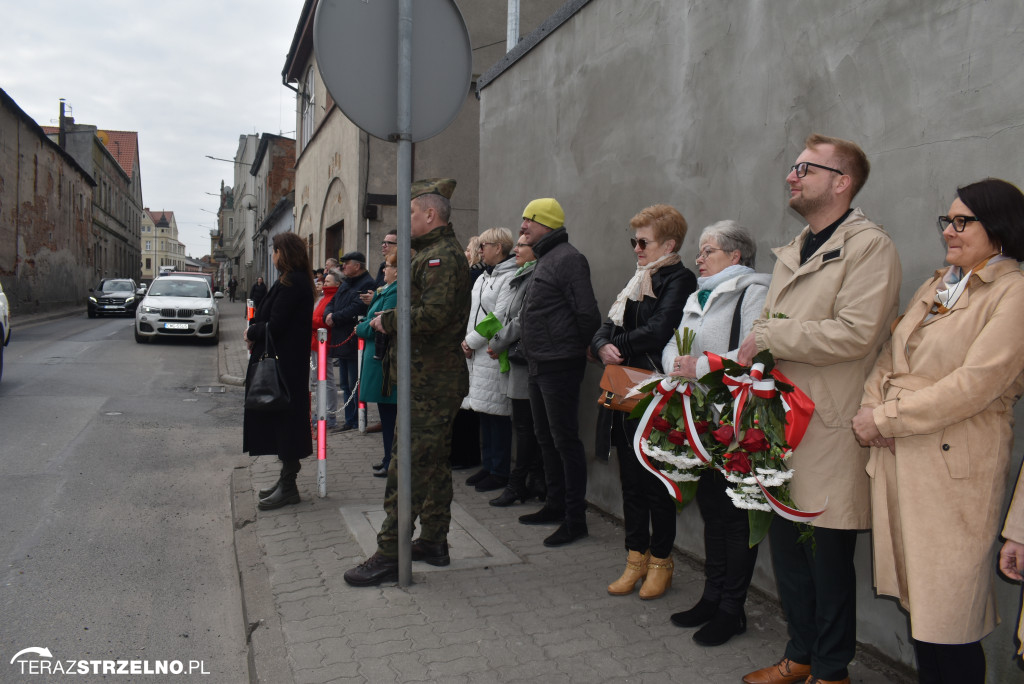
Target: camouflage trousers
pixel 432 418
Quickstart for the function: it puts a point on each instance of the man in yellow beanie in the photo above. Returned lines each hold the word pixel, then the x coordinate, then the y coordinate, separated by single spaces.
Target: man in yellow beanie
pixel 558 319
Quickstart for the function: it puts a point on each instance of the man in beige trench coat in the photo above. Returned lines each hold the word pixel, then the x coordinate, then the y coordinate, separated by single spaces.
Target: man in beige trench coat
pixel 837 284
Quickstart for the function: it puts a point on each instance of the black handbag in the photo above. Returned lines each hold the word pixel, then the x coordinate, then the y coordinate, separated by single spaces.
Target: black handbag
pixel 267 391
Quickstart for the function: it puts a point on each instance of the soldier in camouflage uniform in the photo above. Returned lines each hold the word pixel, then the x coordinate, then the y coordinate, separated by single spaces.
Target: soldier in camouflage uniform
pixel 439 309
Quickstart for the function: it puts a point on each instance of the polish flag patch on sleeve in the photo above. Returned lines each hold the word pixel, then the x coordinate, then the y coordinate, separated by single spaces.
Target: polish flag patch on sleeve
pixel 433 262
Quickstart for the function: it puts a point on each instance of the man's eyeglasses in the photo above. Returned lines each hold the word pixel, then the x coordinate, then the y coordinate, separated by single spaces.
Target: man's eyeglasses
pixel 388 242
pixel 958 222
pixel 521 244
pixel 801 169
pixel 706 252
pixel 643 242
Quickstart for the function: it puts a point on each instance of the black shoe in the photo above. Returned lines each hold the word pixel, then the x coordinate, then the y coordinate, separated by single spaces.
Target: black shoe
pixel 343 428
pixel 491 483
pixel 264 493
pixel 723 626
pixel 543 517
pixel 374 570
pixel 696 616
pixel 379 466
pixel 380 473
pixel 477 477
pixel 567 533
pixel 284 495
pixel 431 553
pixel 509 497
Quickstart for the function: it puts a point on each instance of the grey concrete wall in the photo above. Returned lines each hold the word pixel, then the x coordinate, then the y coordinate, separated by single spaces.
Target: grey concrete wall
pixel 705 105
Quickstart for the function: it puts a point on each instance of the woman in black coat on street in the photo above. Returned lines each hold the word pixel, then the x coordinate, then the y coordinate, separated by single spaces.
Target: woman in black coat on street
pixel 286 311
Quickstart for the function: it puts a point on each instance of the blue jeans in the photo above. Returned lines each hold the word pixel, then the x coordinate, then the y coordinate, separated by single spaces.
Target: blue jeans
pixel 555 401
pixel 496 444
pixel 348 376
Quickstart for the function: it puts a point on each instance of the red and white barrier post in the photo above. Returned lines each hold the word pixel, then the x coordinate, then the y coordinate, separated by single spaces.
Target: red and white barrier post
pixel 361 421
pixel 321 412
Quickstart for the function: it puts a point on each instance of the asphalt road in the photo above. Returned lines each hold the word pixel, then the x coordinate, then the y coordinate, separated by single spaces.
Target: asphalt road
pixel 115 521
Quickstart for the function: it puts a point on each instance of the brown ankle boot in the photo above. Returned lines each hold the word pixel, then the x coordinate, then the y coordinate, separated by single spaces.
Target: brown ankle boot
pixel 636 569
pixel 659 577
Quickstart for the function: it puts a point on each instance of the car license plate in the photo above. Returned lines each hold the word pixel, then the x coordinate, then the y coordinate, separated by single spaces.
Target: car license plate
pixel 176 326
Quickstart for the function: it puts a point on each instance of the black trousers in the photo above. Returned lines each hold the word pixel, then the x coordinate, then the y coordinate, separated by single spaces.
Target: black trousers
pixel 528 461
pixel 818 589
pixel 555 401
pixel 950 663
pixel 648 511
pixel 729 560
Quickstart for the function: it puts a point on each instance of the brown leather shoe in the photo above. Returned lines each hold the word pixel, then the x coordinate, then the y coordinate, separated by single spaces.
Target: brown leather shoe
pixel 783 672
pixel 815 680
pixel 376 427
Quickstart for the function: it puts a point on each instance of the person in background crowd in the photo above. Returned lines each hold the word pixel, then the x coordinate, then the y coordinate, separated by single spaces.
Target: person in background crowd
pixel 232 287
pixel 558 319
pixel 488 386
pixel 388 246
pixel 642 319
pixel 439 296
pixel 937 413
pixel 527 477
pixel 475 259
pixel 285 312
pixel 258 292
pixel 837 285
pixel 342 314
pixel 729 298
pixel 376 385
pixel 331 282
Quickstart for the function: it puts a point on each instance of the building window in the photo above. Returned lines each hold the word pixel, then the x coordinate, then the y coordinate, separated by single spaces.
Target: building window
pixel 308 107
pixel 149 246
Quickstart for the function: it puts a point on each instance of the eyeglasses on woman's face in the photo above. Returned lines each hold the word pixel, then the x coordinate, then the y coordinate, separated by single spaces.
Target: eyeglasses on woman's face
pixel 958 222
pixel 643 242
pixel 705 252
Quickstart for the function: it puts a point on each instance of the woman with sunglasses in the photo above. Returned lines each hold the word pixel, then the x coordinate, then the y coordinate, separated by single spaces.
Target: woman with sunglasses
pixel 641 320
pixel 729 298
pixel 937 413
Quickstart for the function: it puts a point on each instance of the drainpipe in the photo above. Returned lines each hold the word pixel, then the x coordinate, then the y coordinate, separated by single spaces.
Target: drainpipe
pixel 512 33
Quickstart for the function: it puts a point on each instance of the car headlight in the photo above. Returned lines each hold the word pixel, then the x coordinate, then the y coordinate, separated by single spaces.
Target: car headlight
pixel 129 300
pixel 205 312
pixel 92 299
pixel 149 309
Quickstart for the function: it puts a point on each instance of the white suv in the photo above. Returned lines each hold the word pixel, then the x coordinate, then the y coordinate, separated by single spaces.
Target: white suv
pixel 181 306
pixel 5 326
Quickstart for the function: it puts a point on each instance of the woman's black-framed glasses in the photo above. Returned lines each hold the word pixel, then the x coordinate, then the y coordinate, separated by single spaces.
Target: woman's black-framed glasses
pixel 643 242
pixel 958 222
pixel 801 169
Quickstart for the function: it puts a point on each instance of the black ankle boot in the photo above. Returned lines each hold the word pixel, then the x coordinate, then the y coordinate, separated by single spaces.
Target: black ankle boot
pixel 286 494
pixel 509 497
pixel 264 493
pixel 722 627
pixel 696 616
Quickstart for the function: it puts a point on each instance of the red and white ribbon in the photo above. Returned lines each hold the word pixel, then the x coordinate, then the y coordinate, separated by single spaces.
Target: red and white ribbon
pixel 662 393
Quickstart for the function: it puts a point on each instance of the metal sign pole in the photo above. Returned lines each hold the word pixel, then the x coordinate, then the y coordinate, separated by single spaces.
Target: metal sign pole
pixel 404 190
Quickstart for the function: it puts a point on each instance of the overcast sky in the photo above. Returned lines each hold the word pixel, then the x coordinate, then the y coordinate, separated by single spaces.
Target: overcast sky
pixel 189 76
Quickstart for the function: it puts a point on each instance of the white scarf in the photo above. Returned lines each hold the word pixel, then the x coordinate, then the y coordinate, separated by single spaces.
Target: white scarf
pixel 639 286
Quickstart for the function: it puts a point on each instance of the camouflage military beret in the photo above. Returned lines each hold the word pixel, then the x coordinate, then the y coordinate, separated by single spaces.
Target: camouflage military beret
pixel 433 186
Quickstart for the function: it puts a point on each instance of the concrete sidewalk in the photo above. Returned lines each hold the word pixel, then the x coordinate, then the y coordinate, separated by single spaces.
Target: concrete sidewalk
pixel 507 609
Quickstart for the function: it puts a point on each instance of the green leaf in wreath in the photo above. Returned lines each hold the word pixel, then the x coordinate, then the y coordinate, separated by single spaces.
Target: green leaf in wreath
pixel 641 406
pixel 688 490
pixel 759 522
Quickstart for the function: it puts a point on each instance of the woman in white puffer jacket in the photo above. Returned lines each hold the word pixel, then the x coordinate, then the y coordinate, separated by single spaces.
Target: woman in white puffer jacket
pixel 488 386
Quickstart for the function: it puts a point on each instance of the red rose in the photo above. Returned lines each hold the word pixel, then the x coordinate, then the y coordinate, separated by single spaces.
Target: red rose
pixel 754 441
pixel 677 437
pixel 739 462
pixel 661 425
pixel 701 426
pixel 723 434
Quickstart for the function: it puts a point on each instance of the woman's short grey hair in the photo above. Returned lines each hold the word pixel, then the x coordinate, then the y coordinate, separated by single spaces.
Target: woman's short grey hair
pixel 731 236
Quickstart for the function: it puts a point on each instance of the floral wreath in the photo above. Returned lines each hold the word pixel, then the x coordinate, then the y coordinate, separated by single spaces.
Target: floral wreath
pixel 743 421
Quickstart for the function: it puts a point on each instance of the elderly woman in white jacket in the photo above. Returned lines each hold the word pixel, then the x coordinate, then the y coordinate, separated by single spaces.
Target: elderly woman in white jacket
pixel 729 298
pixel 488 386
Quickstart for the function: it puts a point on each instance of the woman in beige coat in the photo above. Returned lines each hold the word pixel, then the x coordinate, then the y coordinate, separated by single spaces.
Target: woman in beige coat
pixel 938 411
